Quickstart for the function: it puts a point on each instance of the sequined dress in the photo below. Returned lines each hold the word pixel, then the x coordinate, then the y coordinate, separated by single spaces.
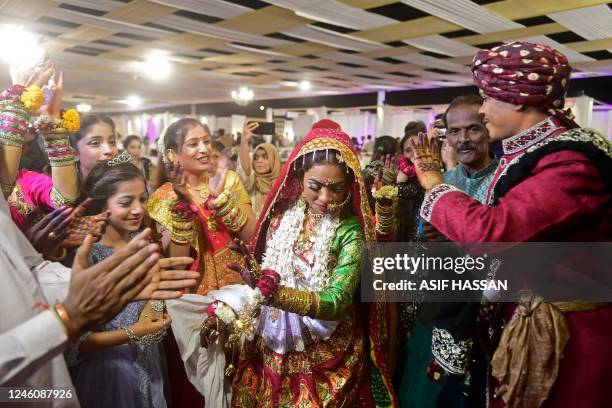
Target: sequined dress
pixel 123 376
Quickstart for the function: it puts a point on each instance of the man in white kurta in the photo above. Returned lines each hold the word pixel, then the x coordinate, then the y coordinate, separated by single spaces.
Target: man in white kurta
pixel 32 338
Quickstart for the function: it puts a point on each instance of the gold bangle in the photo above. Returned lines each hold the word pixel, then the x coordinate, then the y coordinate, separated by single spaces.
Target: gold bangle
pixel 61 256
pixel 61 312
pixel 293 300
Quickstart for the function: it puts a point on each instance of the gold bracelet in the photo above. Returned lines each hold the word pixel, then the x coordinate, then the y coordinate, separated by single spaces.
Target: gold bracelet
pixel 59 200
pixel 231 215
pixel 182 229
pixel 293 300
pixel 61 312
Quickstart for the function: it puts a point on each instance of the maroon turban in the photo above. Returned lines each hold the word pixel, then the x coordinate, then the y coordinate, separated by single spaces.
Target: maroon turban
pixel 523 73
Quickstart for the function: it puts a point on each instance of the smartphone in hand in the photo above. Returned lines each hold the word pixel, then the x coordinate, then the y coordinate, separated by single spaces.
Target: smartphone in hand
pixel 265 128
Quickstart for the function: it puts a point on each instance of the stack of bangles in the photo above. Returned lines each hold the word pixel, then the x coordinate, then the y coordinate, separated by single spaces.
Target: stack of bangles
pixel 406 167
pixel 388 177
pixel 55 133
pixel 183 225
pixel 293 300
pixel 232 216
pixel 385 215
pixel 16 103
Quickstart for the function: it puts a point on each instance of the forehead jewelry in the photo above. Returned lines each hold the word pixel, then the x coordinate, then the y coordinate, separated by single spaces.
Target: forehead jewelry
pixel 328 182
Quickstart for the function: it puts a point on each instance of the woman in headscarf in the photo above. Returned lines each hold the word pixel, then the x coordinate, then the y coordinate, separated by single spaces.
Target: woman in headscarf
pixel 259 175
pixel 307 344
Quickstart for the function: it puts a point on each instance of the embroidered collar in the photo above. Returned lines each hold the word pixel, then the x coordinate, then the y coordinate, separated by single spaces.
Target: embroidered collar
pixel 529 137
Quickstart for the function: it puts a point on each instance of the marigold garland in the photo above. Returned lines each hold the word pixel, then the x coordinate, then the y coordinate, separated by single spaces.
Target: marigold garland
pixel 71 120
pixel 32 98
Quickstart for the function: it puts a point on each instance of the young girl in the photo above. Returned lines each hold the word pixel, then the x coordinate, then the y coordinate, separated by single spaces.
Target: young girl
pixel 118 365
pixel 94 143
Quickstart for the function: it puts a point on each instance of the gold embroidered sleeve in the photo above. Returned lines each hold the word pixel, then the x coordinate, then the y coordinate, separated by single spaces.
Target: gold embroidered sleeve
pixel 234 186
pixel 334 300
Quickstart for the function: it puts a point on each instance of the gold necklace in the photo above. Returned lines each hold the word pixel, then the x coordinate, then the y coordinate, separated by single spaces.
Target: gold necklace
pixel 314 220
pixel 202 191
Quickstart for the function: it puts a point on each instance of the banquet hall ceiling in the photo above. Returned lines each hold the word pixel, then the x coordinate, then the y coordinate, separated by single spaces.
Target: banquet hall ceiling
pixel 341 46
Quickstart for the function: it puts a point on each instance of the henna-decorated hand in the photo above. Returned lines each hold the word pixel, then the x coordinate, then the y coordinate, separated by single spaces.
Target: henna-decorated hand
pixel 176 176
pixel 427 161
pixel 28 74
pixel 81 226
pixel 47 234
pixel 250 266
pixel 211 329
pixel 53 108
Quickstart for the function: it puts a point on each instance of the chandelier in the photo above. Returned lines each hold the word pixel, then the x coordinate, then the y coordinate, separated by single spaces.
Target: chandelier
pixel 243 95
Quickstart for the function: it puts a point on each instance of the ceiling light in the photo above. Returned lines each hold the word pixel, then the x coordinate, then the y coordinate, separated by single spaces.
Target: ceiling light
pixel 157 66
pixel 20 47
pixel 83 107
pixel 133 101
pixel 305 85
pixel 261 107
pixel 243 95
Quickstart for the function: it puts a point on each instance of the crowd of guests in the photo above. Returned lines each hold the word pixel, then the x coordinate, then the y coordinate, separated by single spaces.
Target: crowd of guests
pixel 223 276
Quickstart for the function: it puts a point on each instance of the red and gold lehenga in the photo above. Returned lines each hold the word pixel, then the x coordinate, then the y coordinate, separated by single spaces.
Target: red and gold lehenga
pixel 321 359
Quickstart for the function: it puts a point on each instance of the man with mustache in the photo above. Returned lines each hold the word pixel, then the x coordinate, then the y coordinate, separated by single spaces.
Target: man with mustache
pixel 467 134
pixel 428 381
pixel 552 184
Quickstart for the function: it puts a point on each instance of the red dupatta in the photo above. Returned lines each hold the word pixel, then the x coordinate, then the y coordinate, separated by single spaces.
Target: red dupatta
pixel 286 190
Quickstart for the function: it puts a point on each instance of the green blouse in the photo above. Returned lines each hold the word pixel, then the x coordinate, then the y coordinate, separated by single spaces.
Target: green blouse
pixel 346 250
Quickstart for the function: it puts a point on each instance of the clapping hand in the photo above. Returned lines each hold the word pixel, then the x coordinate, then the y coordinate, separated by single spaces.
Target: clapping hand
pixel 135 272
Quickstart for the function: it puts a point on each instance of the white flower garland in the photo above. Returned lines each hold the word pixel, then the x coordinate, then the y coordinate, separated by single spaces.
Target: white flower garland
pixel 279 250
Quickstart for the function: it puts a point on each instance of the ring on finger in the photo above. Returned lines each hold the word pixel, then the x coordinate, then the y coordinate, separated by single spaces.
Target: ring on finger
pixel 52 235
